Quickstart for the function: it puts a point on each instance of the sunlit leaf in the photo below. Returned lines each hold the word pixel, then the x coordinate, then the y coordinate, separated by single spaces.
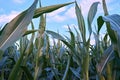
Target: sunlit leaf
pixel 91 15
pixel 29 32
pixel 81 23
pixel 115 25
pixel 25 19
pixel 55 35
pixel 16 28
pixel 48 9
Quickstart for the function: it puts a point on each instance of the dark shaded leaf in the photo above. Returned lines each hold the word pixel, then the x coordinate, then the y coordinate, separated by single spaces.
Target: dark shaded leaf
pixel 100 23
pixel 27 72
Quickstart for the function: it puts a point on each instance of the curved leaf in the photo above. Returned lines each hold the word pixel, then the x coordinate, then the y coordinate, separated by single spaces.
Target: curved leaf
pixel 91 15
pixel 114 22
pixel 16 28
pixel 55 35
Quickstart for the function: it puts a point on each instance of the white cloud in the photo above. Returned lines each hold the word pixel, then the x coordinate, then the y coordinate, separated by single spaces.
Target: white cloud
pixel 71 13
pixel 4 18
pixel 19 1
pixel 71 26
pixel 56 16
pixel 85 5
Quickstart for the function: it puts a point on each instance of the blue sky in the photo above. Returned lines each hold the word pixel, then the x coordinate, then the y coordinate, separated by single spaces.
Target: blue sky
pixel 59 19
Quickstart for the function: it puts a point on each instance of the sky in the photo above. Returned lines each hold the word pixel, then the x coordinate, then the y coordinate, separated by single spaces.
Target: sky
pixel 58 20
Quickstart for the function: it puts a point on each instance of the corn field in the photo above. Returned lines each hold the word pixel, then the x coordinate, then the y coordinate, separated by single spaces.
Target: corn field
pixel 72 57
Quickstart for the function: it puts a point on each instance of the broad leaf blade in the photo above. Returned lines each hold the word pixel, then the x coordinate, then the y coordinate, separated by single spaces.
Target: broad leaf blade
pixel 91 15
pixel 48 9
pixel 115 26
pixel 114 22
pixel 15 29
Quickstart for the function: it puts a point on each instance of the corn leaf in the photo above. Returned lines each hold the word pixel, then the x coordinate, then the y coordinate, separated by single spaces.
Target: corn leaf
pixel 48 9
pixel 100 22
pixel 91 15
pixel 16 28
pixel 27 72
pixel 24 21
pixel 115 26
pixel 108 55
pixel 81 23
pixel 114 22
pixel 55 35
pixel 29 32
pixel 109 30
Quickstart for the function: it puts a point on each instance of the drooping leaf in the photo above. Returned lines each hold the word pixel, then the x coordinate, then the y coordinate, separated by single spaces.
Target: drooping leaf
pixel 115 26
pixel 100 22
pixel 91 15
pixel 81 23
pixel 55 35
pixel 111 33
pixel 107 56
pixel 16 28
pixel 114 22
pixel 48 9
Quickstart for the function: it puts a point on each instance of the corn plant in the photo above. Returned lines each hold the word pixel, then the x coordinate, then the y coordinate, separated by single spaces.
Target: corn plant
pixel 72 57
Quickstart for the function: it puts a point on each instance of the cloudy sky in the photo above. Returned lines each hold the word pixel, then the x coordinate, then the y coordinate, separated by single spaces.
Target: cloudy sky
pixel 59 19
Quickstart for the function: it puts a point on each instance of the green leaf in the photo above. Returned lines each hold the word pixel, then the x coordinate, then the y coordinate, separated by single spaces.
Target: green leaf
pixel 58 36
pixel 100 22
pixel 114 21
pixel 25 19
pixel 16 28
pixel 91 15
pixel 55 35
pixel 29 32
pixel 27 72
pixel 81 23
pixel 48 9
pixel 108 55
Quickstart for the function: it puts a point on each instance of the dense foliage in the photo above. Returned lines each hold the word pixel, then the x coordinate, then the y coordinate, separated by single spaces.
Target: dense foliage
pixel 72 57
